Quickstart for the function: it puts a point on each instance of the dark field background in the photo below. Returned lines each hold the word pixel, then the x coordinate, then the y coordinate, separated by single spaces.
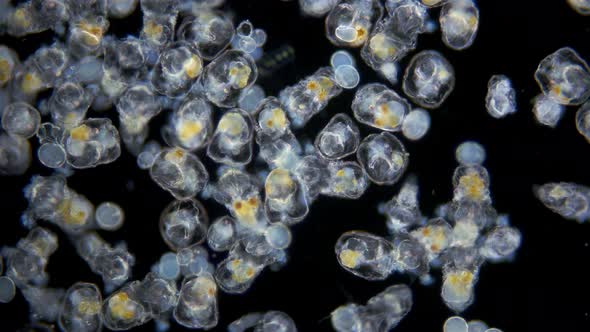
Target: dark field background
pixel 545 289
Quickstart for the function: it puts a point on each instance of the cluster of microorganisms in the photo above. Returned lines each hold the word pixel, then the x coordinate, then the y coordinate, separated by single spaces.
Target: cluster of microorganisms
pixel 465 233
pixel 191 61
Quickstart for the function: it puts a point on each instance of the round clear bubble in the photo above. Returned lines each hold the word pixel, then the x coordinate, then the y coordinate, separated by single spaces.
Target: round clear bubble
pixel 7 290
pixel 455 324
pixel 416 124
pixel 341 58
pixel 184 223
pixel 346 76
pixel 383 157
pixel 109 216
pixel 278 236
pixel 168 267
pixel 51 155
pixel 429 79
pixel 470 153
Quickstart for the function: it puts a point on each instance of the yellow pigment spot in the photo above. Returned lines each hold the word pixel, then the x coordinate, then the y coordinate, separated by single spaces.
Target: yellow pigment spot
pixel 153 30
pixel 5 71
pixel 189 128
pixel 80 133
pixel 120 307
pixel 31 83
pixel 88 307
pixel 312 85
pixel 240 74
pixel 278 179
pixel 22 18
pixel 246 210
pixel 385 118
pixel 175 155
pixel 473 185
pixel 193 66
pixel 349 258
pixel 277 119
pixel 231 123
pixel 91 33
pixel 461 279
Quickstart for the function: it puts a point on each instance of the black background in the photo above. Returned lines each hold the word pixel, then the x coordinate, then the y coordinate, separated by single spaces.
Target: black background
pixel 545 289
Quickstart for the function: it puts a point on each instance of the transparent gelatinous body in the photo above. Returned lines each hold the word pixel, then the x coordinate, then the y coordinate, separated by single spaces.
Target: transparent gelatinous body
pixel 349 22
pixel 582 7
pixel 240 193
pixel 403 210
pixel 381 313
pixel 378 106
pixel 435 237
pixel 345 180
pixel 194 260
pixel 316 8
pixel 416 124
pixel 501 97
pixel 569 200
pixel 191 125
pixel 179 172
pixel 395 35
pixel 564 76
pixel 471 183
pixel 583 121
pixel 178 67
pixel 225 77
pixel 81 308
pixel 339 138
pixel 268 322
pixel 500 243
pixel 21 119
pixel 8 63
pixel 459 22
pixel 365 255
pixel 309 96
pixel 86 35
pixel 123 310
pixel 457 289
pixel 68 104
pixel 157 295
pixel 312 171
pixel 183 223
pixel 197 302
pixel 285 198
pixel 238 271
pixel 209 31
pixel 15 155
pixel 121 8
pixel 231 143
pixel 222 234
pixel 429 79
pixel 93 142
pixel 547 111
pixel 383 157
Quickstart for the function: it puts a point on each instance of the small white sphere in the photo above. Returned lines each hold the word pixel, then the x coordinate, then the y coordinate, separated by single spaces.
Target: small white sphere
pixel 109 216
pixel 416 124
pixel 347 76
pixel 278 236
